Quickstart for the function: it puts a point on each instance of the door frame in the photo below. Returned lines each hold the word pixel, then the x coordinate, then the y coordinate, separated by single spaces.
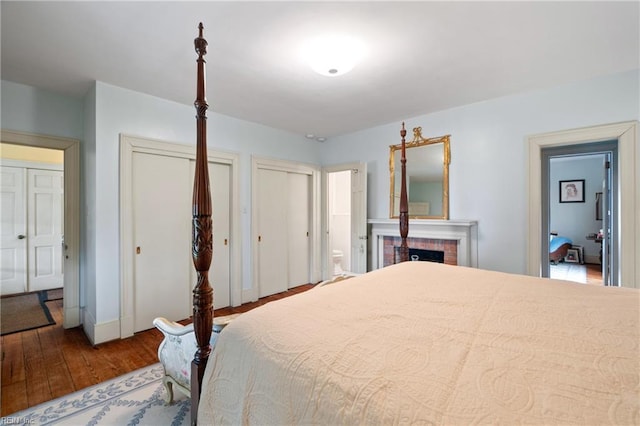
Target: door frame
pixel 251 295
pixel 130 144
pixel 327 261
pixel 71 277
pixel 626 133
pixel 602 149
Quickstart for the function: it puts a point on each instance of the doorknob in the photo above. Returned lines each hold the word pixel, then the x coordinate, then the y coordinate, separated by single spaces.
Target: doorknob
pixel 21 237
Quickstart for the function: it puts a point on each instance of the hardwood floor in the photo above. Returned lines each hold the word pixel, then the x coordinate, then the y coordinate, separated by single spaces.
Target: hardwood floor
pixel 594 273
pixel 49 362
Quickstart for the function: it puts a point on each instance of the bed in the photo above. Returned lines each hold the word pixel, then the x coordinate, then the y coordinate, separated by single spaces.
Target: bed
pixel 414 343
pixel 558 247
pixel 427 343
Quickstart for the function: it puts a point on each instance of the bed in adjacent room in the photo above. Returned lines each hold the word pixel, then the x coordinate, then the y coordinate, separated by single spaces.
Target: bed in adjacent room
pixel 558 247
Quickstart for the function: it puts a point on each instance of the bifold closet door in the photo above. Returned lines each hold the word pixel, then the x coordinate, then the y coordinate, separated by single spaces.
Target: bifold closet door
pixel 219 273
pixel 32 229
pixel 45 217
pixel 162 238
pixel 13 230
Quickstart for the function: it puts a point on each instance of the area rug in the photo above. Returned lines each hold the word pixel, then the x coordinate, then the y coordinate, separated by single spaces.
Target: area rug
pixel 569 272
pixel 24 312
pixel 136 398
pixel 54 294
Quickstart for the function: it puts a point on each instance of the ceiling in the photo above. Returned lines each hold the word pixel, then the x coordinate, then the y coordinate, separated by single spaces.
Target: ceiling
pixel 421 57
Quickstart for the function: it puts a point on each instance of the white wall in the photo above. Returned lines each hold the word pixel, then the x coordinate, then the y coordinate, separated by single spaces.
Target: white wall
pixel 31 110
pixel 124 111
pixel 88 212
pixel 488 171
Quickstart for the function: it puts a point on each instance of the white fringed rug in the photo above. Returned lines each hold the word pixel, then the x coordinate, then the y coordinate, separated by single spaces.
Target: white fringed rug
pixel 136 398
pixel 569 272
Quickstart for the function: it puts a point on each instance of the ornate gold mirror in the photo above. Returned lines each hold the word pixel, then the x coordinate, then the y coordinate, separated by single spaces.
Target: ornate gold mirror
pixel 427 177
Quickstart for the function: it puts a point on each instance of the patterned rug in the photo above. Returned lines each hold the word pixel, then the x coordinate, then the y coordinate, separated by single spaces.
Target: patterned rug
pixel 136 398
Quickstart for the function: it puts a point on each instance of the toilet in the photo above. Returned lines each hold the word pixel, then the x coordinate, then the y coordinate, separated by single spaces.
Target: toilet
pixel 337 262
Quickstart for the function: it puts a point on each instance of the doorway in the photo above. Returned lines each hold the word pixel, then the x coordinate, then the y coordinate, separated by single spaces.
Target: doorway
pixel 587 219
pixel 625 133
pixel 345 219
pixel 70 251
pixel 32 219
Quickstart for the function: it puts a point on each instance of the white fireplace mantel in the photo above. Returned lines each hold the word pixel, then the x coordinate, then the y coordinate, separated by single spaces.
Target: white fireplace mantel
pixel 465 232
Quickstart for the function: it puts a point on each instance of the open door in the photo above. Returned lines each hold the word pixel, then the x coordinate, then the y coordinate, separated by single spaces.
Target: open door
pixel 345 219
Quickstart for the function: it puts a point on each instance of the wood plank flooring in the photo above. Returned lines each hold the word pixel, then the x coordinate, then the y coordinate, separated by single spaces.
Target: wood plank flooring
pixel 594 273
pixel 49 362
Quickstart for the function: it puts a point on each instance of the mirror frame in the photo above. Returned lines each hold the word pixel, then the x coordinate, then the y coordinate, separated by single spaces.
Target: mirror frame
pixel 417 141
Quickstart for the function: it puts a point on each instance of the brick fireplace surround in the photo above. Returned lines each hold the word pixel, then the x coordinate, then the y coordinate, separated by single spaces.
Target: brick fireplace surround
pixel 456 238
pixel 449 247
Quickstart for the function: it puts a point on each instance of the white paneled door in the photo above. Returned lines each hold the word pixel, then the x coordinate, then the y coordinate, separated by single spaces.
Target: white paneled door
pixel 32 229
pixel 359 218
pixel 45 228
pixel 13 230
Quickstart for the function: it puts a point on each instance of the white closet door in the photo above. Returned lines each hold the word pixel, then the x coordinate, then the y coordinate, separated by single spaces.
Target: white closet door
pixel 219 273
pixel 272 232
pixel 13 229
pixel 45 222
pixel 162 238
pixel 298 228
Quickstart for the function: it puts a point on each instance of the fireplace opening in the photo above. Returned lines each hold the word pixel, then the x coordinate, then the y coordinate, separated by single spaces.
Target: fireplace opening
pixel 422 255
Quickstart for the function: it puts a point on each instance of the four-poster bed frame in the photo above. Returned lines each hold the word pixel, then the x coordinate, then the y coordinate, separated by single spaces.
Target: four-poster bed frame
pixel 202 236
pixel 380 360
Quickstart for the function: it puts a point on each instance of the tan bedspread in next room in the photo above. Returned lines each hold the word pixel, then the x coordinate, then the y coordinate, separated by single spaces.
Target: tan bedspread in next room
pixel 422 343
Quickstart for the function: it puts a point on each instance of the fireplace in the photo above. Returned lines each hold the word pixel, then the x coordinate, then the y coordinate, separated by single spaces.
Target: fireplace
pixel 423 255
pixel 457 239
pixel 427 249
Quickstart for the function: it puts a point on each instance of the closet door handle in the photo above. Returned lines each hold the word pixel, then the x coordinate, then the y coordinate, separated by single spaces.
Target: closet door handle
pixel 21 237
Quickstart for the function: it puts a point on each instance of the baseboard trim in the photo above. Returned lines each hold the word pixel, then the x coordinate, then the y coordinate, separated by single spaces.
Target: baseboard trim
pixel 249 295
pixel 71 317
pixel 100 333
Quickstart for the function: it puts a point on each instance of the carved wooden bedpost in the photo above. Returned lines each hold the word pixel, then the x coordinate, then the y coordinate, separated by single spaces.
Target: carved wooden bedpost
pixel 202 242
pixel 404 205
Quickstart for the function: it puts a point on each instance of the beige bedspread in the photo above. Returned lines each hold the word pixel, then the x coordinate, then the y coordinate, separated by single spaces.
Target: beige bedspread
pixel 424 343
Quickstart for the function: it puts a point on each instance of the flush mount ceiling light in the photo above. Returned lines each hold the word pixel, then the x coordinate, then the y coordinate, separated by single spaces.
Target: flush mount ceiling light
pixel 333 55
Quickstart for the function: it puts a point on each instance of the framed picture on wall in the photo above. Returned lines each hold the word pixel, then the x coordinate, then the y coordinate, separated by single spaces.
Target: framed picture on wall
pixel 572 191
